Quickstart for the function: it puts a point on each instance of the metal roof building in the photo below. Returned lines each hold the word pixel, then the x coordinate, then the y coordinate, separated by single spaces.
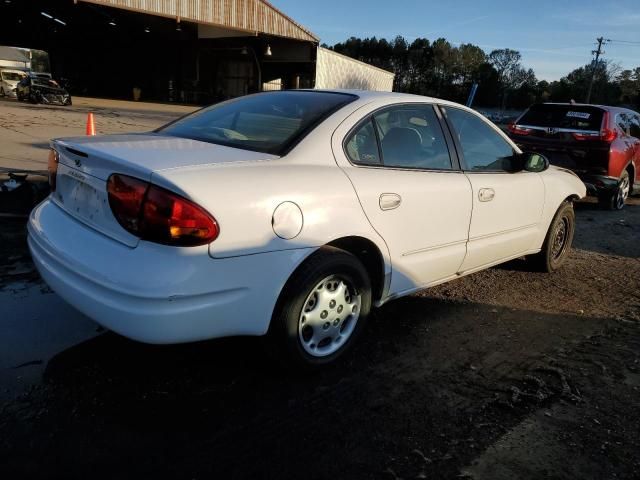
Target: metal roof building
pixel 192 51
pixel 251 16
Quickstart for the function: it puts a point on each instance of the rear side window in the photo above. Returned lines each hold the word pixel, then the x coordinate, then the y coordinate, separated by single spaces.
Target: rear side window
pixel 267 122
pixel 362 147
pixel 411 137
pixel 408 136
pixel 575 117
pixel 623 122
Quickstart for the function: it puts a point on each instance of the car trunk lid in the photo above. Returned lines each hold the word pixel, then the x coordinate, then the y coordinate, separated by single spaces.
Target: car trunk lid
pixel 85 164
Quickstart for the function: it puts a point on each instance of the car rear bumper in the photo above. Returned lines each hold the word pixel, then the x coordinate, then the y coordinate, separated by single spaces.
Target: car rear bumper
pixel 599 184
pixel 155 293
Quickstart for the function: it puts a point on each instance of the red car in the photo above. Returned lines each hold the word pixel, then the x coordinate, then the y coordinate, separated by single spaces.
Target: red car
pixel 600 144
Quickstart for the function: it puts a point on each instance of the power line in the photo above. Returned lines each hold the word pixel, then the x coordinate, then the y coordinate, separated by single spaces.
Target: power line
pixel 629 42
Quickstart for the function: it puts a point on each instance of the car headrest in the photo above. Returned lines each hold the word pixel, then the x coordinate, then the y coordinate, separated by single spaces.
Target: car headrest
pixel 401 144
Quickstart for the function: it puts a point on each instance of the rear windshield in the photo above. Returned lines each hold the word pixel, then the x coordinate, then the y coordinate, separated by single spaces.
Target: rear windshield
pixel 266 122
pixel 577 117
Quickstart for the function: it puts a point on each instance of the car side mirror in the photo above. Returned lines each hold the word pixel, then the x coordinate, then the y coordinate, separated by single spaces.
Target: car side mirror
pixel 535 162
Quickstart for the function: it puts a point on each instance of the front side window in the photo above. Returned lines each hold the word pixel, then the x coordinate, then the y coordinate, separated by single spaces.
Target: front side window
pixel 483 149
pixel 267 122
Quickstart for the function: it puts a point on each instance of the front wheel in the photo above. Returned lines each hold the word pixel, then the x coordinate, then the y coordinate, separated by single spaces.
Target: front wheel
pixel 321 310
pixel 557 243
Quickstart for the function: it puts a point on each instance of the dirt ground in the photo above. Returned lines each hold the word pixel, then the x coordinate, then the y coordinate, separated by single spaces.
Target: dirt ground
pixel 504 374
pixel 25 129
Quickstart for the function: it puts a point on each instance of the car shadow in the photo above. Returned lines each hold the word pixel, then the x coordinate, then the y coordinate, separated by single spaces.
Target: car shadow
pixel 224 407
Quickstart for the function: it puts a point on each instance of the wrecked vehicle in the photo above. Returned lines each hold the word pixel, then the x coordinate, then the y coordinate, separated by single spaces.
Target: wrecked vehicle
pixel 40 89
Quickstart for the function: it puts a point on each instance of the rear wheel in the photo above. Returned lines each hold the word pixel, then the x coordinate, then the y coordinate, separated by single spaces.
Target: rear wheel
pixel 2 94
pixel 321 310
pixel 557 243
pixel 617 199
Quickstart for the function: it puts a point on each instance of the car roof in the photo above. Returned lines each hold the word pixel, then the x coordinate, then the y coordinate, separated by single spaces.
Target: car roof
pixel 372 95
pixel 604 107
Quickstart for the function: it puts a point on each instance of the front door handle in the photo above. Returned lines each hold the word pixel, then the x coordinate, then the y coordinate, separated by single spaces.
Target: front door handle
pixel 389 201
pixel 486 194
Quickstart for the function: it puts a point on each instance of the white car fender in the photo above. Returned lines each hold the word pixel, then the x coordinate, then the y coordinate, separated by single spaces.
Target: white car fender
pixel 560 185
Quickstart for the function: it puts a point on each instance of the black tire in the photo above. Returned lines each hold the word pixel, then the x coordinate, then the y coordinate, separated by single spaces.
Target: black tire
pixel 555 252
pixel 286 334
pixel 616 200
pixel 2 94
pixel 32 98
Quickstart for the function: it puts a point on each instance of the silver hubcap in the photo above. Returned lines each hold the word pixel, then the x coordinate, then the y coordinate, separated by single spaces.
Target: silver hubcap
pixel 329 316
pixel 623 192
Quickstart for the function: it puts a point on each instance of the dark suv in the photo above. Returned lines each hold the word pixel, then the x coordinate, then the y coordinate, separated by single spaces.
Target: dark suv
pixel 600 144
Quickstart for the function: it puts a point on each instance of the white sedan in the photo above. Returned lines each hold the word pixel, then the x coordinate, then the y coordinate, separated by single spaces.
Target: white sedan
pixel 291 214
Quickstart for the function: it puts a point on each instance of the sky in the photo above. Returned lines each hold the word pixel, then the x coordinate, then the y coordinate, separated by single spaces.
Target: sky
pixel 554 37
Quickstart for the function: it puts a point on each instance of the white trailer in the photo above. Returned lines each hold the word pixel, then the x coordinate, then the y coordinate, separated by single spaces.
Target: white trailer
pixel 334 70
pixel 25 59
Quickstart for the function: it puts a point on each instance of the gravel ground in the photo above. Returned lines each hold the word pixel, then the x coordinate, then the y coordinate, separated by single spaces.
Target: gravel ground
pixel 500 375
pixel 503 374
pixel 25 129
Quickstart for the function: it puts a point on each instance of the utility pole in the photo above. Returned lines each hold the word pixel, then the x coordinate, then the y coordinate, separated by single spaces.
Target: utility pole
pixel 594 65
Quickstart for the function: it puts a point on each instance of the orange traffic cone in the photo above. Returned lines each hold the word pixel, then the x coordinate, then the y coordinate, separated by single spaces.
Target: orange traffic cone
pixel 91 128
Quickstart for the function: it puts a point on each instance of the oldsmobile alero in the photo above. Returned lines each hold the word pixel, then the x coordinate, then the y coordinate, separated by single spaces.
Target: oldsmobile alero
pixel 291 214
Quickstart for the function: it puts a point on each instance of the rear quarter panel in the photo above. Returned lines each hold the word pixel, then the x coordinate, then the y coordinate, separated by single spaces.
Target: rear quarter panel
pixel 243 199
pixel 621 155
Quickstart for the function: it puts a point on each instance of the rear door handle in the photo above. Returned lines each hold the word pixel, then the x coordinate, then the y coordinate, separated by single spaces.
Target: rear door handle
pixel 486 194
pixel 389 201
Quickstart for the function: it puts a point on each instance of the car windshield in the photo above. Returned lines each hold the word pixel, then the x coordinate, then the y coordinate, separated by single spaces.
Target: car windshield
pixel 266 122
pixel 45 82
pixel 11 76
pixel 579 117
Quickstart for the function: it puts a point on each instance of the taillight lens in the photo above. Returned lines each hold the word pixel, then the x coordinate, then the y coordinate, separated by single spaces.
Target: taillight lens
pixel 52 168
pixel 606 134
pixel 517 130
pixel 126 195
pixel 158 215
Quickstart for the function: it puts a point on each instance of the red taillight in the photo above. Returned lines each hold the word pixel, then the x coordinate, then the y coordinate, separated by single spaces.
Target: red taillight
pixel 52 168
pixel 126 195
pixel 158 215
pixel 517 130
pixel 606 134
